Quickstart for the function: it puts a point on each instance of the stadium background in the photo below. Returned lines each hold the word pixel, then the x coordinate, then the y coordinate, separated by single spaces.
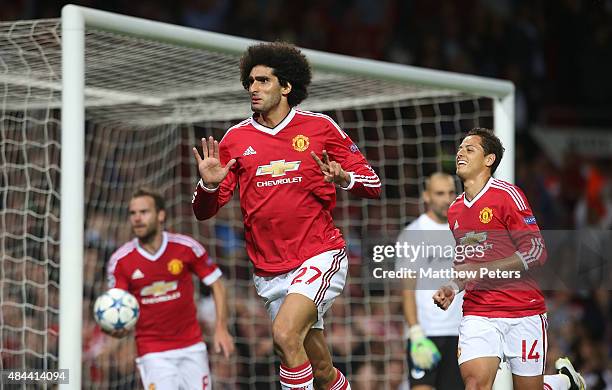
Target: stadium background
pixel 558 55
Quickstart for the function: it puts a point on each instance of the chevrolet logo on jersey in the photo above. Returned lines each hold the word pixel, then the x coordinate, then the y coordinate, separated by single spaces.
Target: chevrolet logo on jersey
pixel 159 288
pixel 277 168
pixel 473 238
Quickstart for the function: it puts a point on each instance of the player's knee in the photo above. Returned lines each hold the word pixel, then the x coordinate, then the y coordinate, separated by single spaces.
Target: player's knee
pixel 285 341
pixel 323 371
pixel 473 382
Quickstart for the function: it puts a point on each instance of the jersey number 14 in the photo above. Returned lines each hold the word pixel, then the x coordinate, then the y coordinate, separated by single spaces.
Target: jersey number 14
pixel 531 356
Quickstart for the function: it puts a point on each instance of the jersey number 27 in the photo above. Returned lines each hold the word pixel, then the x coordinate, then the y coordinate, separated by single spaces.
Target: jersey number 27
pixel 302 272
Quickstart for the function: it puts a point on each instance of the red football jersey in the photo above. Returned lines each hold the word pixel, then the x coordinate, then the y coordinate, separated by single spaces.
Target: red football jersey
pixel 286 204
pixel 162 283
pixel 500 220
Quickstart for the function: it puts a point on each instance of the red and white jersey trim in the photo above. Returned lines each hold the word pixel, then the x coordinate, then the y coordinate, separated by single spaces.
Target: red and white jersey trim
pixel 156 255
pixel 278 128
pixel 210 279
pixel 368 180
pixel 500 185
pixel 243 123
pixel 195 246
pixel 329 119
pixel 457 199
pixel 118 255
pixel 469 203
pixel 129 246
pixel 534 254
pixel 512 191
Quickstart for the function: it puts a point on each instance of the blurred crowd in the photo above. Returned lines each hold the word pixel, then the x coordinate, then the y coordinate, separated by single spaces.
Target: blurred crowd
pixel 558 55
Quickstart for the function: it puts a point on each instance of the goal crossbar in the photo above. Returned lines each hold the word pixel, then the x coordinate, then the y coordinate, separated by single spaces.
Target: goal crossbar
pixel 76 17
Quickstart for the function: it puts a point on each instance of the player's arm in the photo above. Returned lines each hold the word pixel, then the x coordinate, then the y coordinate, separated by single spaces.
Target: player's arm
pixel 445 295
pixel 525 234
pixel 116 278
pixel 343 164
pixel 210 274
pixel 409 302
pixel 224 342
pixel 408 283
pixel 423 351
pixel 513 263
pixel 217 179
pixel 408 298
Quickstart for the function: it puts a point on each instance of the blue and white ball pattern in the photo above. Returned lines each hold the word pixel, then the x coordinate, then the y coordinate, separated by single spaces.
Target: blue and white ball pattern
pixel 116 309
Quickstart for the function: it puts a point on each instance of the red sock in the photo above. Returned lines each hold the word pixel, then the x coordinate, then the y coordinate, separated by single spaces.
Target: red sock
pixel 296 377
pixel 340 383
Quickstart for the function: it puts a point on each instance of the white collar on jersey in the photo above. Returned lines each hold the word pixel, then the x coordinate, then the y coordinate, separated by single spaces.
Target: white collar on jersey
pixel 278 128
pixel 470 203
pixel 157 254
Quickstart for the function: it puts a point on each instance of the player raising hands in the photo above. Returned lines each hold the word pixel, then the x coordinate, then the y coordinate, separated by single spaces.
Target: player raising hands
pixel 287 193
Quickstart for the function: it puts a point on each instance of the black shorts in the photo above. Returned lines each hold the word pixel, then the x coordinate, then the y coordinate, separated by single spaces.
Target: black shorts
pixel 445 375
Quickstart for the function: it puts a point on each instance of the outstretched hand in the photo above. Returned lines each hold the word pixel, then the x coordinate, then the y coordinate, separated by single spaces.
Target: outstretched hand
pixel 210 168
pixel 332 171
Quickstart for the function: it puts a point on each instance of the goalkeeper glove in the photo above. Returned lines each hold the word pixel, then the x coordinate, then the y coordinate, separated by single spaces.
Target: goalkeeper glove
pixel 423 351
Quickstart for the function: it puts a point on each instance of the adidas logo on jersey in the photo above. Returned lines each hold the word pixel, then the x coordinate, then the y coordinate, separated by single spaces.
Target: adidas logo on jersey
pixel 249 151
pixel 456 225
pixel 137 274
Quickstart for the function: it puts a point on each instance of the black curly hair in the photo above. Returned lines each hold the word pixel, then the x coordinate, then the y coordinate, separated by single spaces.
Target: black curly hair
pixel 490 144
pixel 287 63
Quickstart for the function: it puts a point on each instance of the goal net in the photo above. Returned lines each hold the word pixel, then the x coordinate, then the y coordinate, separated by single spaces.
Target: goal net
pixel 148 101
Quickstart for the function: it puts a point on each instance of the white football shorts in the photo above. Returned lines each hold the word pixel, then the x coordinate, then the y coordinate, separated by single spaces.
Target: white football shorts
pixel 184 368
pixel 522 342
pixel 320 278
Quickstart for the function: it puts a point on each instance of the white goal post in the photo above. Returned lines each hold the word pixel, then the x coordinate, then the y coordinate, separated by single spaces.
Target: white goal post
pixel 74 22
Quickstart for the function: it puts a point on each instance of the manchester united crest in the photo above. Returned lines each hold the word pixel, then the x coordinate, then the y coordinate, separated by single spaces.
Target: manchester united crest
pixel 486 215
pixel 300 143
pixel 175 266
